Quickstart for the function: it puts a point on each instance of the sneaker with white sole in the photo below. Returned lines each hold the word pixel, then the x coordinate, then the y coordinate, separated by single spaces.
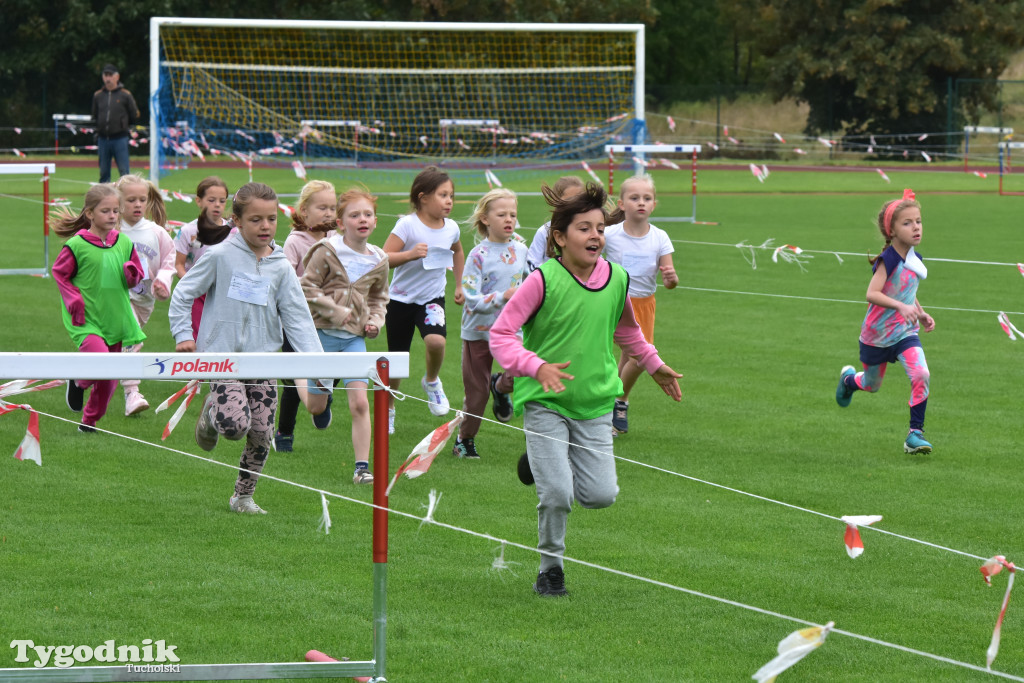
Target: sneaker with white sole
pixel 436 399
pixel 134 403
pixel 843 392
pixel 75 397
pixel 501 406
pixel 620 421
pixel 246 505
pixel 206 432
pixel 915 443
pixel 391 420
pixel 465 448
pixel 362 476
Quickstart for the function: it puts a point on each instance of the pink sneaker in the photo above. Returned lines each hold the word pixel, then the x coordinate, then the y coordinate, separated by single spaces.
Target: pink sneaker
pixel 134 403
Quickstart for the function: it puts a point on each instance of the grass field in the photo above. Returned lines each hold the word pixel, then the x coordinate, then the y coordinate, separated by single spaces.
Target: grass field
pixel 117 539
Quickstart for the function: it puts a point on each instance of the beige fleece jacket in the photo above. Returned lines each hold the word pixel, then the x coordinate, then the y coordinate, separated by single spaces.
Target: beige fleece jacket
pixel 338 304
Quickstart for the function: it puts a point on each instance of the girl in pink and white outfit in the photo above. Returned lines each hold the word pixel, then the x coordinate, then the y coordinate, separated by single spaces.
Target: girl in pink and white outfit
pixel 894 316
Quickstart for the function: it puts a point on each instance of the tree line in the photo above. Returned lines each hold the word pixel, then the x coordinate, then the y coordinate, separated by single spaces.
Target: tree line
pixel 861 65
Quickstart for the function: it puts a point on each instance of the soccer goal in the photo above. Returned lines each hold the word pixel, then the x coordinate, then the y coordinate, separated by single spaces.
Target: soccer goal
pixel 42 172
pixel 559 90
pixel 637 156
pixel 206 366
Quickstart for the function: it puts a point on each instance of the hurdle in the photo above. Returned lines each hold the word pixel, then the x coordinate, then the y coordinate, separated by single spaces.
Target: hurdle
pixel 43 170
pixel 692 150
pixel 996 130
pixel 211 366
pixel 353 124
pixel 445 124
pixel 69 120
pixel 1005 164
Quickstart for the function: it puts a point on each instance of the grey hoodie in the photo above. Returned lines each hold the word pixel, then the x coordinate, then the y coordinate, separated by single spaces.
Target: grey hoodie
pixel 232 326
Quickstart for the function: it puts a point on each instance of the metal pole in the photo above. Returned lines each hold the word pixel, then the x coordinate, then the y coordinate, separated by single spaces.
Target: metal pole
pixel 611 171
pixel 46 221
pixel 693 191
pixel 380 519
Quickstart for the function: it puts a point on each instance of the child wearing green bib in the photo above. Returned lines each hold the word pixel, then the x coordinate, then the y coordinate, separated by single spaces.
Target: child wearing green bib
pixel 94 272
pixel 573 311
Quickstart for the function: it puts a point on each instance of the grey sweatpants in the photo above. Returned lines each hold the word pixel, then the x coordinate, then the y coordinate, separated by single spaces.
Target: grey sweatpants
pixel 584 471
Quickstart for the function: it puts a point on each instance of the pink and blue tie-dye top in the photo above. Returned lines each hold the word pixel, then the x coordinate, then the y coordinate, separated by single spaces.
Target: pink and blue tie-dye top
pixel 885 326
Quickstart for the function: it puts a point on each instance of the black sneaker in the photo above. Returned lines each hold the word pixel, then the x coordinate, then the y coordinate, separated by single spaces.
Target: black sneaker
pixel 551 583
pixel 75 397
pixel 283 442
pixel 502 405
pixel 620 423
pixel 465 448
pixel 86 429
pixel 525 473
pixel 323 420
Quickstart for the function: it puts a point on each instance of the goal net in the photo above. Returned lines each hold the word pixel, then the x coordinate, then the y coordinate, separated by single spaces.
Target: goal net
pixel 556 91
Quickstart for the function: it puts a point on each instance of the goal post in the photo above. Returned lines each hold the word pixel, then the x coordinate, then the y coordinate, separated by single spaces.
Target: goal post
pixel 206 366
pixel 560 90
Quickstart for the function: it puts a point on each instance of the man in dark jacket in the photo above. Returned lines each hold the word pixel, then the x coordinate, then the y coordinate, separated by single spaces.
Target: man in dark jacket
pixel 113 110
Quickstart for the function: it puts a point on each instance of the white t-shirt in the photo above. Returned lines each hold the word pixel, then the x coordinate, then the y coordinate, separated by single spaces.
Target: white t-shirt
pixel 187 243
pixel 538 253
pixel 423 280
pixel 638 255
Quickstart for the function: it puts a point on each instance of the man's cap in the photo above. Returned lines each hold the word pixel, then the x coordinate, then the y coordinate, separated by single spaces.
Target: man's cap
pixel 110 69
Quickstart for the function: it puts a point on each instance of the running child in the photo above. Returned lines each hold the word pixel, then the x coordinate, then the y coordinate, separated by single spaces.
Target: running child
pixel 143 223
pixel 643 250
pixel 94 272
pixel 345 282
pixel 197 236
pixel 572 311
pixel 494 270
pixel 421 247
pixel 252 295
pixel 894 317
pixel 314 219
pixel 564 187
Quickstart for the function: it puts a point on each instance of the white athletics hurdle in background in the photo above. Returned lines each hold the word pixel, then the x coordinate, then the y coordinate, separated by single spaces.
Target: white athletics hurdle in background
pixel 995 130
pixel 692 150
pixel 44 171
pixel 353 124
pixel 237 366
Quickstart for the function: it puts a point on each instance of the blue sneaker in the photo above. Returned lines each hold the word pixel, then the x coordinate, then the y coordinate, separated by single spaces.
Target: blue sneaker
pixel 915 443
pixel 843 392
pixel 323 420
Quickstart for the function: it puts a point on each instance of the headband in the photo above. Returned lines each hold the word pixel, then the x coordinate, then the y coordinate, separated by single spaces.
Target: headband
pixel 890 209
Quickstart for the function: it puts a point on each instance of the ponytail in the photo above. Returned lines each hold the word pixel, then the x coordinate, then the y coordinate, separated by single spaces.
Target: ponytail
pixel 67 224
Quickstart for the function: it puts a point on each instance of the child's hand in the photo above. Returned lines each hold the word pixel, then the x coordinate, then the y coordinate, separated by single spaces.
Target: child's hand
pixel 550 376
pixel 927 322
pixel 160 290
pixel 460 296
pixel 418 252
pixel 909 313
pixel 667 378
pixel 187 346
pixel 669 277
pixel 509 292
pixel 77 312
pixel 371 331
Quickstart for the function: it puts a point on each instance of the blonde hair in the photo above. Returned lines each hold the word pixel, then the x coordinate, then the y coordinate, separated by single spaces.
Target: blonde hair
pixel 155 209
pixel 638 178
pixel 245 196
pixel 305 197
pixel 483 205
pixel 67 224
pixel 566 182
pixel 354 194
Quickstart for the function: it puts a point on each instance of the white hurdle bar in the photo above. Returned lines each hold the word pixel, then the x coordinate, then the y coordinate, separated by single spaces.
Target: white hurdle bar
pixel 44 171
pixel 236 366
pixel 692 150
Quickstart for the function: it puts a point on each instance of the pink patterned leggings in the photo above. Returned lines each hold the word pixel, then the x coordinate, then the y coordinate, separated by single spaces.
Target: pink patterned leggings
pixel 246 409
pixel 914 364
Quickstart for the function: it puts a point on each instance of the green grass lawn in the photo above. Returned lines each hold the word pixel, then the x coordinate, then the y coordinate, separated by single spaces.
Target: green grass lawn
pixel 119 539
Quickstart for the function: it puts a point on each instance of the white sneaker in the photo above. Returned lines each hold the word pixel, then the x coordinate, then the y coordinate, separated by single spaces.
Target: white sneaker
pixel 362 476
pixel 134 403
pixel 437 401
pixel 391 420
pixel 245 504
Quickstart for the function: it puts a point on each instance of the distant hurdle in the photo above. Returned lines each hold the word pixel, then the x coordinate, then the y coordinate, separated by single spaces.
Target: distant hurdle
pixel 1005 166
pixel 638 151
pixel 43 171
pixel 992 130
pixel 210 366
pixel 315 125
pixel 69 121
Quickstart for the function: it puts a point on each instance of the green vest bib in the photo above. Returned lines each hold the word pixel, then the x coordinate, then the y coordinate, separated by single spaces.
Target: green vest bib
pixel 576 324
pixel 100 279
